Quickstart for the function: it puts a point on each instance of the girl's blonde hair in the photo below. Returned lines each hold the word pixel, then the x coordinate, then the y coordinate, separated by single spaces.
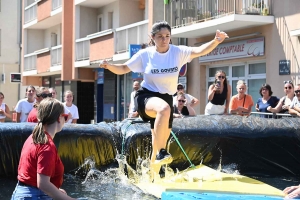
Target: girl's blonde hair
pixel 180 94
pixel 49 111
pixel 241 82
pixel 68 92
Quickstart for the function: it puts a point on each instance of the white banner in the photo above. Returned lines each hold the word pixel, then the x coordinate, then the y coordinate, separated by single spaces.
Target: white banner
pixel 239 49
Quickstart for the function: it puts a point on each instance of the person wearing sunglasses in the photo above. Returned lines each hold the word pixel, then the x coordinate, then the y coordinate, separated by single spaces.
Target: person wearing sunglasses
pixel 241 103
pixel 295 105
pixel 160 64
pixel 41 93
pixel 266 100
pixel 182 108
pixel 40 171
pixel 285 102
pixel 218 93
pixel 24 106
pixel 53 92
pixel 192 101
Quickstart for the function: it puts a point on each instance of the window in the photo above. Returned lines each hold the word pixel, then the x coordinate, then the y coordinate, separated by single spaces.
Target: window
pixel 53 39
pixel 258 68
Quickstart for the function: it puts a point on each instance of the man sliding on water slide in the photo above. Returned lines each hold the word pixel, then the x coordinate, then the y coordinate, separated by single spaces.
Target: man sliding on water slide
pixel 160 65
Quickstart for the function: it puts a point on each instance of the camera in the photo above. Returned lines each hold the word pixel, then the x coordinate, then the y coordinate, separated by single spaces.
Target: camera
pixel 218 86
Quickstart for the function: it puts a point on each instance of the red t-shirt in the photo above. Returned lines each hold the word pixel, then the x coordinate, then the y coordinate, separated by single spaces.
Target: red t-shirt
pixel 32 117
pixel 42 159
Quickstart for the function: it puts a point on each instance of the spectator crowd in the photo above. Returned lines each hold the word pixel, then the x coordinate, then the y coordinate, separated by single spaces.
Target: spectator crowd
pixel 27 108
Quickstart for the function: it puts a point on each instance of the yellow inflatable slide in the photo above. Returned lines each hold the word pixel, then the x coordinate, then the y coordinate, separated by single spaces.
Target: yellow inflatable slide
pixel 203 179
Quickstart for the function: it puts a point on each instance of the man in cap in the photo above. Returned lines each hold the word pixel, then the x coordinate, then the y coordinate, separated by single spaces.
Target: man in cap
pixel 192 101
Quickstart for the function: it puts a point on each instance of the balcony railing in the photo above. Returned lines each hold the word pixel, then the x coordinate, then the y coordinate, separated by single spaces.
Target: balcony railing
pixel 136 33
pixel 186 12
pixel 56 4
pixel 30 62
pixel 56 55
pixel 30 13
pixel 82 49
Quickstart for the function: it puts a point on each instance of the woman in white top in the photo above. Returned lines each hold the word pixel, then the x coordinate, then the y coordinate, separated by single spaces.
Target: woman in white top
pixel 24 106
pixel 4 109
pixel 160 65
pixel 69 106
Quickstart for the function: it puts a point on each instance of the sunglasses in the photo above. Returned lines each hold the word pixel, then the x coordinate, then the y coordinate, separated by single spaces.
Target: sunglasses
pixel 285 82
pixel 181 101
pixel 44 95
pixel 297 91
pixel 180 88
pixel 65 116
pixel 289 87
pixel 221 77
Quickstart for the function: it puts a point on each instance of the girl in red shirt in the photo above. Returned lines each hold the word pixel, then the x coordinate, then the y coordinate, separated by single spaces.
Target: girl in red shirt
pixel 40 171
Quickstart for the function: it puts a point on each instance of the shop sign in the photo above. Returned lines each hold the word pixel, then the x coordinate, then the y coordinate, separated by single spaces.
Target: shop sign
pixel 57 81
pixel 14 77
pixel 284 67
pixel 46 82
pixel 240 49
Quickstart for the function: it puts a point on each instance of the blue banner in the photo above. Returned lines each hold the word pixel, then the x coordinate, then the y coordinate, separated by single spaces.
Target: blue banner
pixel 133 49
pixel 100 76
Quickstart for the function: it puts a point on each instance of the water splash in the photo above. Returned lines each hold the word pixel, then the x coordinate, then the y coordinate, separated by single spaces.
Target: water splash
pixel 113 183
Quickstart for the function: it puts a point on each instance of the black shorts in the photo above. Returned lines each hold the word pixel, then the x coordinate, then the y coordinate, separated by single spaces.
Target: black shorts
pixel 141 98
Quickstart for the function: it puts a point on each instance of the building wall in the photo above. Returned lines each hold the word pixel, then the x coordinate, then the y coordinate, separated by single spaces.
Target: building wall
pixel 113 7
pixel 47 35
pixel 10 90
pixel 279 45
pixel 158 11
pixel 88 21
pixel 9 49
pixel 9 26
pixel 99 47
pixel 284 46
pixel 43 62
pixel 44 9
pixel 131 10
pixel 35 40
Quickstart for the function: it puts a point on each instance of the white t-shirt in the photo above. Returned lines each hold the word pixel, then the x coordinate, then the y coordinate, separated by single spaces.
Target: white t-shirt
pixel 131 105
pixel 2 116
pixel 74 112
pixel 295 102
pixel 188 98
pixel 160 70
pixel 24 107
